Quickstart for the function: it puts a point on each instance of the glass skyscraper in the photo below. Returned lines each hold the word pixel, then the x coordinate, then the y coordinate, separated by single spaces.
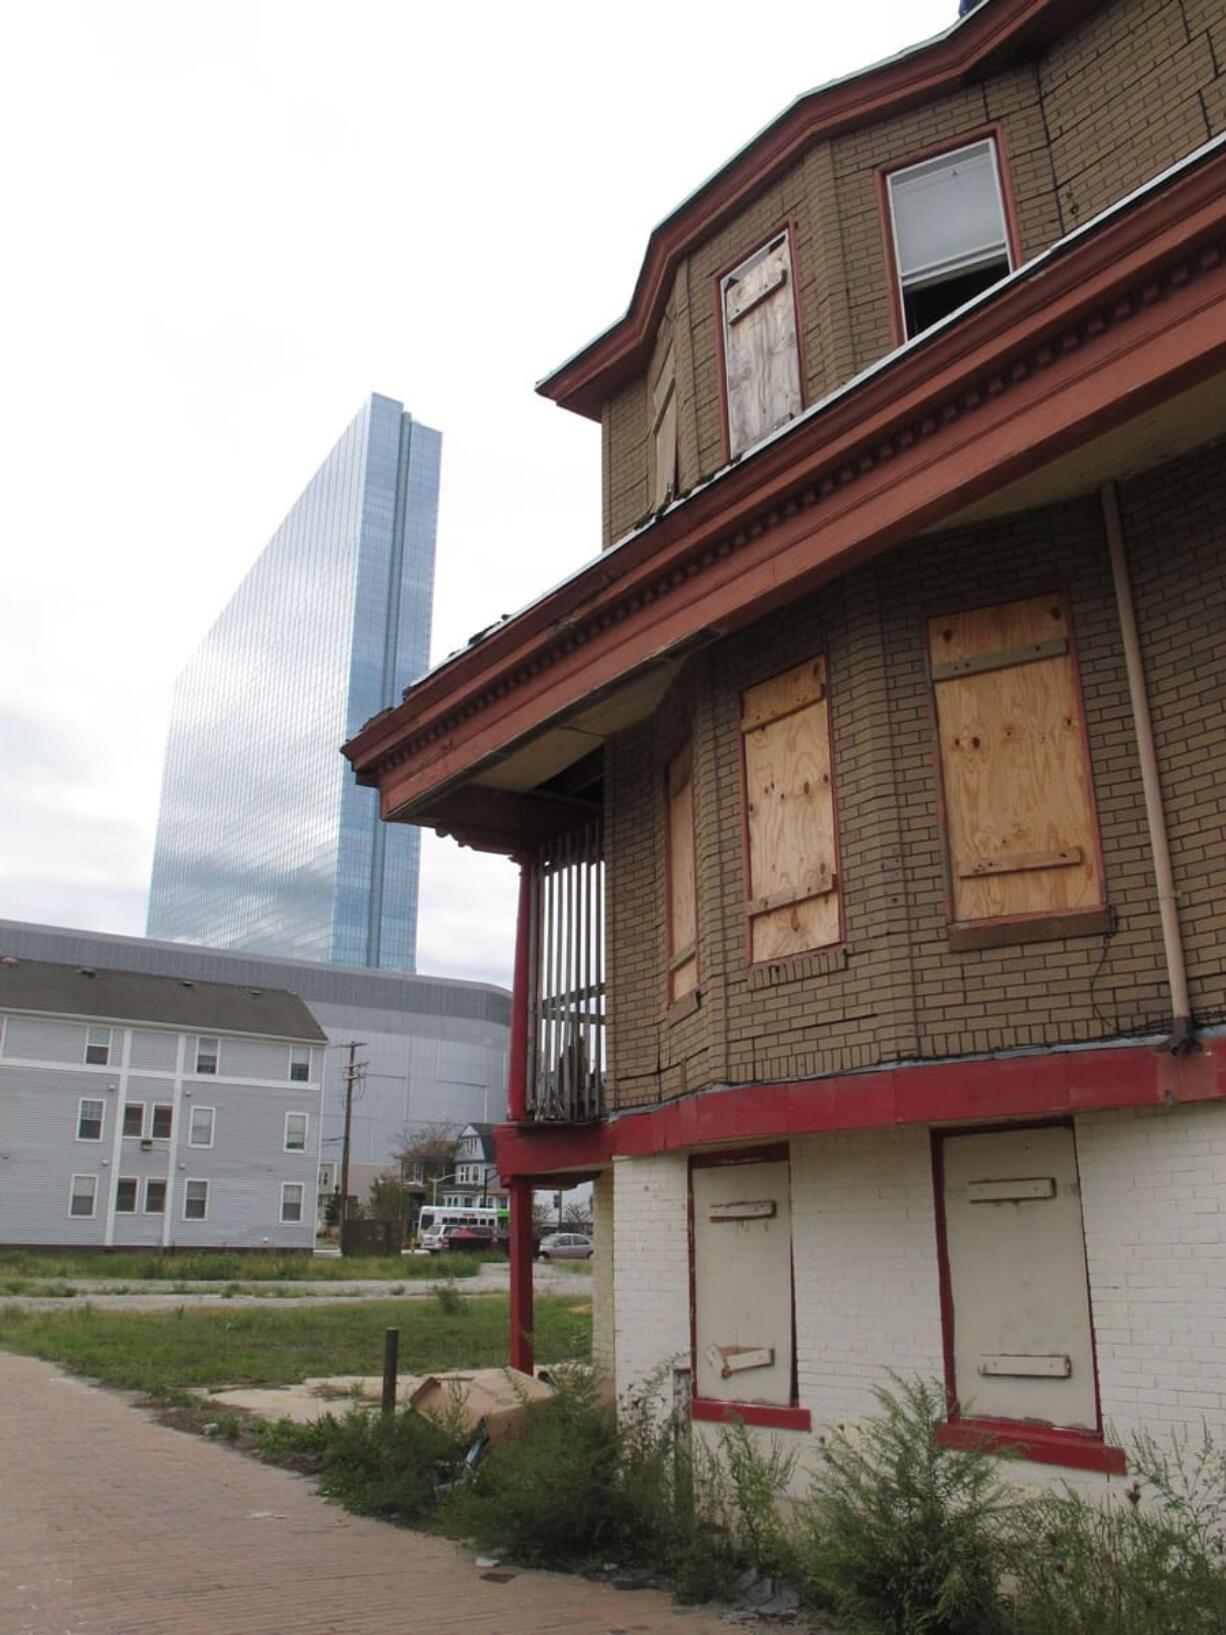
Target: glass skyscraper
pixel 264 841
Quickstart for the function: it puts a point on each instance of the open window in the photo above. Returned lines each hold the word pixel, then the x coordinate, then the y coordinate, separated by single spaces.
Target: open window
pixel 761 353
pixel 793 888
pixel 1019 807
pixel 742 1281
pixel 949 231
pixel 681 878
pixel 664 432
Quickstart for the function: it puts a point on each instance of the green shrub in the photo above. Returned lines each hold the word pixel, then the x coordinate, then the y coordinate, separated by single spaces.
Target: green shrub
pixel 386 1465
pixel 449 1300
pixel 901 1535
pixel 755 1482
pixel 1149 1562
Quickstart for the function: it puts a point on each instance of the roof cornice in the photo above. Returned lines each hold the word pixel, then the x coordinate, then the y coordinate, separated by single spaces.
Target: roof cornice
pixel 933 428
pixel 992 35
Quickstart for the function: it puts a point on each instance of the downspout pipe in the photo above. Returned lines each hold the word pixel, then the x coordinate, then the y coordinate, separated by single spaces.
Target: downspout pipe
pixel 1183 1028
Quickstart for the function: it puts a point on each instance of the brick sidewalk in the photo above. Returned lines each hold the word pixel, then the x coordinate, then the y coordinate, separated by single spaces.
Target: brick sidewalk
pixel 114 1525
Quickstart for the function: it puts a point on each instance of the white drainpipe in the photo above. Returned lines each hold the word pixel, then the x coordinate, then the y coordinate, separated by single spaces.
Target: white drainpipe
pixel 1182 1036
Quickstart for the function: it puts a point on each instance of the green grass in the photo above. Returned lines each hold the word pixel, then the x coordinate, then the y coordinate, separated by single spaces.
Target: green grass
pixel 166 1352
pixel 142 1266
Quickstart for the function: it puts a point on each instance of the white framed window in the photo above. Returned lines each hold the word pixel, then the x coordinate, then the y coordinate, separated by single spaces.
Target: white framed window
pixel 296 1132
pixel 126 1189
pixel 200 1129
pixel 97 1047
pixel 761 351
pixel 134 1118
pixel 83 1196
pixel 90 1117
pixel 948 225
pixel 208 1055
pixel 195 1200
pixel 300 1064
pixel 291 1200
pixel 155 1196
pixel 162 1121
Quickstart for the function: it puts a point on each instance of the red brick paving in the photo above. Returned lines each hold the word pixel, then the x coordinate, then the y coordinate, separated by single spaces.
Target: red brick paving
pixel 111 1524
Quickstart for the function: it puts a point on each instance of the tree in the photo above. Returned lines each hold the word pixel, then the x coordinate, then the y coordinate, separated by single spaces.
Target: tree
pixel 428 1150
pixel 577 1216
pixel 391 1201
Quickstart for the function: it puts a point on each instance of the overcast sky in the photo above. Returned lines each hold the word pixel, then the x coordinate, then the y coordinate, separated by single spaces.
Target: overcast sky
pixel 225 225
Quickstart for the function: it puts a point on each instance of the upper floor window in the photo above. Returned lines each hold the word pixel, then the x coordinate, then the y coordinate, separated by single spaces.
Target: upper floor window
pixel 682 883
pixel 134 1118
pixel 207 1053
pixel 948 225
pixel 1018 802
pixel 761 354
pixel 664 432
pixel 792 895
pixel 200 1129
pixel 97 1047
pixel 89 1120
pixel 300 1063
pixel 295 1132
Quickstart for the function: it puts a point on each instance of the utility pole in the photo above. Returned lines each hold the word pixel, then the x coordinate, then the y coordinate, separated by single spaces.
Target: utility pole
pixel 353 1074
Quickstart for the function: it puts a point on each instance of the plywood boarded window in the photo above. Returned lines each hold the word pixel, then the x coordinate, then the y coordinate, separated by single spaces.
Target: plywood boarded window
pixel 793 889
pixel 1019 807
pixel 742 1282
pixel 1016 1290
pixel 682 879
pixel 761 358
pixel 664 433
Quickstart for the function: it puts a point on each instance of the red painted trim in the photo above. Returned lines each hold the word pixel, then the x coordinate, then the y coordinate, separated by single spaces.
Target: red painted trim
pixel 1039 1086
pixel 992 34
pixel 1105 335
pixel 751 1413
pixel 1043 1444
pixel 788 226
pixel 993 131
pixel 521 1275
pixel 517 1047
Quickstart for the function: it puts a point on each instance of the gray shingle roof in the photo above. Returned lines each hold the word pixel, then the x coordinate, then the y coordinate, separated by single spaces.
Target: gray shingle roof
pixel 127 996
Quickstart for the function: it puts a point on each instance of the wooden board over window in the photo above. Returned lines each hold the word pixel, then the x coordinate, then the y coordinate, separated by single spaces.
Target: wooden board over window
pixel 792 890
pixel 682 885
pixel 664 433
pixel 761 358
pixel 1020 819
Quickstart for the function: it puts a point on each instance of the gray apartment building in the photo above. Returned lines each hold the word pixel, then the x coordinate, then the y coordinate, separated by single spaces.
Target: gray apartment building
pixel 434 1049
pixel 265 843
pixel 155 1111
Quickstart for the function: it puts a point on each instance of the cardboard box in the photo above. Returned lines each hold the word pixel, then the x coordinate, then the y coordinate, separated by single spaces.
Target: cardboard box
pixel 491 1397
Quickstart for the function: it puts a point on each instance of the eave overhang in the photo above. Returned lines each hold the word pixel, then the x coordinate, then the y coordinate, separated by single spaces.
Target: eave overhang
pixel 1128 315
pixel 986 40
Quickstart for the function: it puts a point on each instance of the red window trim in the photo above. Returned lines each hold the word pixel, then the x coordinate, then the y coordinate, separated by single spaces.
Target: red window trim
pixel 1042 918
pixel 993 131
pixel 788 226
pixel 751 1413
pixel 1041 1444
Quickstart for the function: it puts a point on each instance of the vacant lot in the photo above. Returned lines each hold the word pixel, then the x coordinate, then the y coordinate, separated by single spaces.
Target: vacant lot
pixel 163 1353
pixel 143 1265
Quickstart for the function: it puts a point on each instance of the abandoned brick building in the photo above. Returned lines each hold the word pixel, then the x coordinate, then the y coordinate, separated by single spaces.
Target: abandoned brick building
pixel 866 787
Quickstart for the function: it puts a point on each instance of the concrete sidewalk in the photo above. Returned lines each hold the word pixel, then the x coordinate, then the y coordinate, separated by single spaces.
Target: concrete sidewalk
pixel 114 1525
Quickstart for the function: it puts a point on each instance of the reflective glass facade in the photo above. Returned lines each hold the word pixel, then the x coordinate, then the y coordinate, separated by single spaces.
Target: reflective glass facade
pixel 264 841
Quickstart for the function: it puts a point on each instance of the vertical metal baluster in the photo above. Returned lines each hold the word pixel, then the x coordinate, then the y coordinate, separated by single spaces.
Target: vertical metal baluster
pixel 534 987
pixel 555 1055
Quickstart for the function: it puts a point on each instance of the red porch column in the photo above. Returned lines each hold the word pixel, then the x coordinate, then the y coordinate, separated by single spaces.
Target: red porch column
pixel 521 1275
pixel 517 1068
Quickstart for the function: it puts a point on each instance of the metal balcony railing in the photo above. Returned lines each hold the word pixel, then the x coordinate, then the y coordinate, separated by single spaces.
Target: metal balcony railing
pixel 566 1010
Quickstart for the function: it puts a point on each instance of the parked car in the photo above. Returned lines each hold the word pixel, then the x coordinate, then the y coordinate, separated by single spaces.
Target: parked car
pixel 469 1237
pixel 566 1246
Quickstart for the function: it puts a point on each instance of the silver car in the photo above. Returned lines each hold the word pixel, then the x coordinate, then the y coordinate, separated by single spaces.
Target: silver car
pixel 566 1246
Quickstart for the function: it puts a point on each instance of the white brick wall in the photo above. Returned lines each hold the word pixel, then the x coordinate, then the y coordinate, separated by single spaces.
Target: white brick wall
pixel 651 1265
pixel 1153 1183
pixel 603 1341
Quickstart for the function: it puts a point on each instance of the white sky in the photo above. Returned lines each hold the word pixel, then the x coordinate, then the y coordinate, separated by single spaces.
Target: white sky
pixel 224 225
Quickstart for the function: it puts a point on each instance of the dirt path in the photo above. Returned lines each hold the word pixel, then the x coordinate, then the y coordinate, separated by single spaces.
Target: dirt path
pixel 115 1525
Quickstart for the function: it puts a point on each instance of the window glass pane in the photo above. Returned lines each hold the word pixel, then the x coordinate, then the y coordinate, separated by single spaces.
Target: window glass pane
pixel 155 1197
pixel 295 1132
pixel 201 1127
pixel 133 1118
pixel 98 1046
pixel 291 1202
pixel 125 1196
pixel 89 1121
pixel 207 1053
pixel 163 1115
pixel 195 1200
pixel 300 1064
pixel 84 1188
pixel 947 212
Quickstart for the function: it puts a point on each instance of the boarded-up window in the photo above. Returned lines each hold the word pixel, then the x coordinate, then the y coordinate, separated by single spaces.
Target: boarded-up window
pixel 1023 838
pixel 793 898
pixel 761 360
pixel 1017 1287
pixel 742 1282
pixel 664 433
pixel 682 887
